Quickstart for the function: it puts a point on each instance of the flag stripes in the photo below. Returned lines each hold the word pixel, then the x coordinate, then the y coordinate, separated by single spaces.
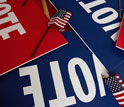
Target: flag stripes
pixel 60 19
pixel 120 81
pixel 120 96
pixel 116 86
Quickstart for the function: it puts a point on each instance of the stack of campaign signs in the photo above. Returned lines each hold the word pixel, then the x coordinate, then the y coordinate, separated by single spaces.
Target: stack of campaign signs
pixel 71 75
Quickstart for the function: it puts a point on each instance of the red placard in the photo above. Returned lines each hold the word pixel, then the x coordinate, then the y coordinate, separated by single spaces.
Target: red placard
pixel 21 30
pixel 120 41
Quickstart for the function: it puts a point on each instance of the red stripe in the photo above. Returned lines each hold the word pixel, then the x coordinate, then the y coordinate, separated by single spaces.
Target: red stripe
pixel 119 95
pixel 119 79
pixel 60 20
pixel 121 83
pixel 122 100
pixel 57 19
pixel 69 12
pixel 67 17
pixel 57 22
pixel 119 101
pixel 121 104
pixel 54 20
pixel 63 20
pixel 58 25
pixel 62 30
pixel 116 75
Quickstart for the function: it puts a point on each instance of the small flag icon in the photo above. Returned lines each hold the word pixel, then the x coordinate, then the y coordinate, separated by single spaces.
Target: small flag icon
pixel 60 19
pixel 116 86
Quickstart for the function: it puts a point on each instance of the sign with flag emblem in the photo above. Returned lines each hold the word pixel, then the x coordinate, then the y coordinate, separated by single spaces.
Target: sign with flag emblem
pixel 120 41
pixel 20 31
pixel 67 77
pixel 116 86
pixel 97 23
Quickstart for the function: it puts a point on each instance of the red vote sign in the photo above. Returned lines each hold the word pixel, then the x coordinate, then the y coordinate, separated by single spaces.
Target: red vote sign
pixel 120 41
pixel 20 32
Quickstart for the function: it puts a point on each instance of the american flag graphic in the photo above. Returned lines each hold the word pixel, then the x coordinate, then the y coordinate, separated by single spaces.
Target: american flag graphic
pixel 60 19
pixel 116 86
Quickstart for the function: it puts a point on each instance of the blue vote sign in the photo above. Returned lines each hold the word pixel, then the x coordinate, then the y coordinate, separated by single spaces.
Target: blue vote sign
pixel 69 76
pixel 97 23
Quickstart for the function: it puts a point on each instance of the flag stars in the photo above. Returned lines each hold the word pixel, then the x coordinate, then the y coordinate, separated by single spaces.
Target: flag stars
pixel 114 83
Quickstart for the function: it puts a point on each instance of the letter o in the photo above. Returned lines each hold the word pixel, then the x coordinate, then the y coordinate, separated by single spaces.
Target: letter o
pixel 107 19
pixel 6 9
pixel 76 83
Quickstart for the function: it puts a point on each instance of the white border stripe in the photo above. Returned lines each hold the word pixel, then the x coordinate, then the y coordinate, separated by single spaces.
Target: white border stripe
pixel 121 102
pixel 62 20
pixel 57 21
pixel 117 76
pixel 56 24
pixel 118 92
pixel 67 16
pixel 120 81
pixel 69 13
pixel 33 59
pixel 120 98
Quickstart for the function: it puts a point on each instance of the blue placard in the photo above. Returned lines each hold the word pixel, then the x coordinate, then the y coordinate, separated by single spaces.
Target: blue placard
pixel 97 22
pixel 72 66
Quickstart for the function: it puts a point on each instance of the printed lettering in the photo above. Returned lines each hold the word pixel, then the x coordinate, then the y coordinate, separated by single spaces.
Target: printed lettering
pixel 91 5
pixel 76 83
pixel 107 19
pixel 62 100
pixel 6 9
pixel 35 87
pixel 5 32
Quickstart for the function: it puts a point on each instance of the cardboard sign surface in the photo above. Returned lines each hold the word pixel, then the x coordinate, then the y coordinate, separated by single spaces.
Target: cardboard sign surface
pixel 20 32
pixel 97 24
pixel 12 84
pixel 120 41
